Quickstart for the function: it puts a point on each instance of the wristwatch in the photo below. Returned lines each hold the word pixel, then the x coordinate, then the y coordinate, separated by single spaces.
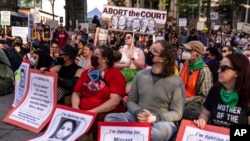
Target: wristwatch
pixel 132 59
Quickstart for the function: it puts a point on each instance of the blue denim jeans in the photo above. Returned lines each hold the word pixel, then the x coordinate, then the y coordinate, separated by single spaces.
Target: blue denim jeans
pixel 161 131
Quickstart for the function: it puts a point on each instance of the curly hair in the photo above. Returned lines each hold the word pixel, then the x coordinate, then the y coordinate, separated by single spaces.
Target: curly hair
pixel 169 55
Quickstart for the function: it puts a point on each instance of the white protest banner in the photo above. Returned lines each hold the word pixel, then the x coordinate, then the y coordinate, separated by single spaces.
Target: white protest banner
pixel 134 19
pixel 124 131
pixel 200 25
pixel 20 31
pixel 5 17
pixel 77 122
pixel 246 28
pixel 21 79
pixel 36 108
pixel 36 14
pixel 190 132
pixel 182 22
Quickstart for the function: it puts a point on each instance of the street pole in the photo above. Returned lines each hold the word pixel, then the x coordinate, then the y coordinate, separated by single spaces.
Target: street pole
pixel 208 14
pixel 246 16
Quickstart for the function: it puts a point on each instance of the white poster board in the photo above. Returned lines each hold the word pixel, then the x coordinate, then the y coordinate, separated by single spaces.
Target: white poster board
pixel 200 25
pixel 21 32
pixel 246 28
pixel 36 108
pixel 5 17
pixel 36 13
pixel 122 131
pixel 77 122
pixel 21 81
pixel 182 22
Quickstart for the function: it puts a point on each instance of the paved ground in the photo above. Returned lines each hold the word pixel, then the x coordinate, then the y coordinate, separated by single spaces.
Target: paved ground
pixel 9 132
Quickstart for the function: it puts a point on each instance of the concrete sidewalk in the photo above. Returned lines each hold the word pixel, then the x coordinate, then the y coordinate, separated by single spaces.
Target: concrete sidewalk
pixel 9 132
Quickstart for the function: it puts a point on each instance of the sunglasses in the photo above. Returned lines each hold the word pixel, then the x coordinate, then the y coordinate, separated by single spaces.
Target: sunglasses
pixel 61 54
pixel 128 37
pixel 224 51
pixel 225 67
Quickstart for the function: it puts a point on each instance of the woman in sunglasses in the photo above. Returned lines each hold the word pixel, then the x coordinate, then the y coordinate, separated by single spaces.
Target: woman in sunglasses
pixel 228 102
pixel 133 60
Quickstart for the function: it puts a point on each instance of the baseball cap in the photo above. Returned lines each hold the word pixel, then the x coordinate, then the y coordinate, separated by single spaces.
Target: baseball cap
pixel 195 46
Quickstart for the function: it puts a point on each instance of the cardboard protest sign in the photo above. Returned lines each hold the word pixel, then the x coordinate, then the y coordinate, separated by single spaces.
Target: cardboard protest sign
pixel 134 19
pixel 133 131
pixel 101 36
pixel 246 28
pixel 36 108
pixel 188 131
pixel 67 124
pixel 21 32
pixel 21 81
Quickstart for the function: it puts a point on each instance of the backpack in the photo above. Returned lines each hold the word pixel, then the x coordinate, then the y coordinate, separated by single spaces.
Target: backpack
pixel 6 76
pixel 14 58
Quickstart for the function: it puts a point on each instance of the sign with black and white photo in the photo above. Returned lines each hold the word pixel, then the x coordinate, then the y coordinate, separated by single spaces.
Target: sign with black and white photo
pixel 38 104
pixel 134 19
pixel 67 124
pixel 21 81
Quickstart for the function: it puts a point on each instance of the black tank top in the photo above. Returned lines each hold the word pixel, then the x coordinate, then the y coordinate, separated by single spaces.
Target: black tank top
pixel 68 72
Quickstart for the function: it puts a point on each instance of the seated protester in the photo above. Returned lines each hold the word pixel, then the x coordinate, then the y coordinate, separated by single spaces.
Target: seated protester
pixel 68 73
pixel 40 59
pixel 100 89
pixel 212 59
pixel 133 60
pixel 158 83
pixel 230 97
pixel 84 59
pixel 196 77
pixel 6 75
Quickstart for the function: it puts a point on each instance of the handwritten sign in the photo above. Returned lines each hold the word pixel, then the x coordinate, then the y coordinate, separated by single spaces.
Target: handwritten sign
pixel 36 108
pixel 130 131
pixel 190 132
pixel 76 121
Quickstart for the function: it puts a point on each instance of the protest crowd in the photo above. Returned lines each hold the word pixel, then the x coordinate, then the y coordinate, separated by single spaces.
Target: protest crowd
pixel 139 73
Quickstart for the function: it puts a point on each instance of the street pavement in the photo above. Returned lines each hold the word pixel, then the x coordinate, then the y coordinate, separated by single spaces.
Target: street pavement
pixel 10 132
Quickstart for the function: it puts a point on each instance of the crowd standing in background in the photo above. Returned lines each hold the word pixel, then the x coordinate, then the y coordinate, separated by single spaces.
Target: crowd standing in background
pixel 174 74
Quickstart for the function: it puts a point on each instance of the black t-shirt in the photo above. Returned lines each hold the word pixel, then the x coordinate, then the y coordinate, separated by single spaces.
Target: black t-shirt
pixel 68 72
pixel 221 114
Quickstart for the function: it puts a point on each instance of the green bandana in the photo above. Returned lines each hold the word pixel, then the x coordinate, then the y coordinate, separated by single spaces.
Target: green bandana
pixel 229 98
pixel 197 64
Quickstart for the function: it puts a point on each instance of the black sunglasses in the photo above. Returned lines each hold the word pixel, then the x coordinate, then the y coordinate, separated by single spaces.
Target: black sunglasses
pixel 128 37
pixel 224 51
pixel 61 54
pixel 225 67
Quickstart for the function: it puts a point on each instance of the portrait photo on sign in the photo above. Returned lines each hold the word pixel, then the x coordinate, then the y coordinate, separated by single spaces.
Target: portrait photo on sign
pixel 65 129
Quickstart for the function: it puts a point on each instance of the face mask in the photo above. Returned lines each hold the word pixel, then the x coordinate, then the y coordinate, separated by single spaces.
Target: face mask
pixel 186 55
pixel 60 60
pixel 32 61
pixel 94 61
pixel 150 59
